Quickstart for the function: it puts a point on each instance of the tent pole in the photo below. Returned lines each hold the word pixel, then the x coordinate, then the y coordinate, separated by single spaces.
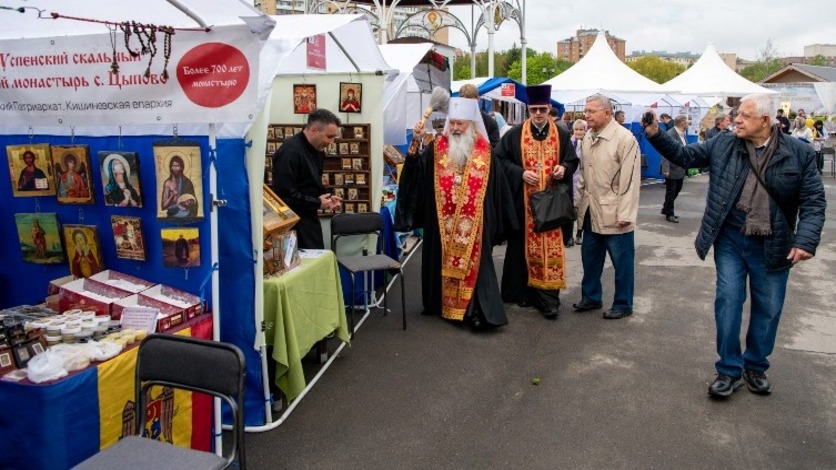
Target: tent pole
pixel 216 305
pixel 347 55
pixel 176 4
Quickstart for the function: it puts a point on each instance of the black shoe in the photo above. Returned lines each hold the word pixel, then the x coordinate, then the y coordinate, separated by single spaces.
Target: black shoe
pixel 724 386
pixel 585 306
pixel 672 218
pixel 613 314
pixel 757 382
pixel 523 303
pixel 569 243
pixel 550 313
pixel 578 240
pixel 475 322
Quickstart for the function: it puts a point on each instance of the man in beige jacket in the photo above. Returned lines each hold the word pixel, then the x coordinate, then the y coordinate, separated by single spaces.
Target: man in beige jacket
pixel 609 201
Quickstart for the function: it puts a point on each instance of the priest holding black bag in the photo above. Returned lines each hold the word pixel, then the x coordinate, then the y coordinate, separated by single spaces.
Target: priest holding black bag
pixel 535 154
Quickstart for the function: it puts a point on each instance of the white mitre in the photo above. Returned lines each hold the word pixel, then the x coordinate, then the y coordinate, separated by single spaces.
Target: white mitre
pixel 465 109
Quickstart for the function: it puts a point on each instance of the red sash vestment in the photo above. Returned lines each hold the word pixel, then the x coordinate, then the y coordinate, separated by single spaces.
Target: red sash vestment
pixel 544 252
pixel 460 202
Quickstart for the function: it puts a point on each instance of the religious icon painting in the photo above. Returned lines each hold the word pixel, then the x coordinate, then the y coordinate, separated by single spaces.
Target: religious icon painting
pixel 40 238
pixel 348 208
pixel 181 247
pixel 352 194
pixel 343 148
pixel 179 181
pixel 278 133
pixel 288 132
pixel 350 97
pixel 30 168
pixel 271 133
pixel 346 163
pixel 362 207
pixel 338 179
pixel 339 192
pixel 326 179
pixel 120 178
pixel 127 235
pixel 349 179
pixel 83 249
pixel 354 148
pixel 357 163
pixel 271 148
pixel 73 175
pixel 304 98
pixel 360 179
pixel 332 148
pixel 358 133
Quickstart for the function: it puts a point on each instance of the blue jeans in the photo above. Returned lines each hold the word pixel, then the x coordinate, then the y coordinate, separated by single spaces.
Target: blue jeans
pixel 622 250
pixel 738 257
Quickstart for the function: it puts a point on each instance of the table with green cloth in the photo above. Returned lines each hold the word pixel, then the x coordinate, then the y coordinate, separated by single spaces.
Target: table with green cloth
pixel 302 307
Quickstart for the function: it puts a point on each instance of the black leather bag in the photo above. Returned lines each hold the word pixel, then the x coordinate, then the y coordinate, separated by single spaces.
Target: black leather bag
pixel 552 207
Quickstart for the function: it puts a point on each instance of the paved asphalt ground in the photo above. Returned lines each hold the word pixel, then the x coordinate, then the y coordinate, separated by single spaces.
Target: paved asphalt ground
pixel 629 393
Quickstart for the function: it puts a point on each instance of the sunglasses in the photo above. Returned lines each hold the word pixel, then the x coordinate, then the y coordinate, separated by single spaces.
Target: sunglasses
pixel 538 109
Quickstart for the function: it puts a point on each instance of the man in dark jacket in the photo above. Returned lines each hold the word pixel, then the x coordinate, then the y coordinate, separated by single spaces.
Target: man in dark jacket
pixel 764 213
pixel 783 121
pixel 674 175
pixel 721 124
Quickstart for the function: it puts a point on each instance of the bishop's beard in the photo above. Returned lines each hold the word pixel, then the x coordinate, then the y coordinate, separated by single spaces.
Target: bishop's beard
pixel 460 147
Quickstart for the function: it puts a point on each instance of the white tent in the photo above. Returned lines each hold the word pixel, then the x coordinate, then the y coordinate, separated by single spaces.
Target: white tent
pixel 599 70
pixel 404 99
pixel 710 76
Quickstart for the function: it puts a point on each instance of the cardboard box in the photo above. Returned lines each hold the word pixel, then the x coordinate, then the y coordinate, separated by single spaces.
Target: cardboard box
pixel 122 281
pixel 188 303
pixel 170 316
pixel 55 285
pixel 88 294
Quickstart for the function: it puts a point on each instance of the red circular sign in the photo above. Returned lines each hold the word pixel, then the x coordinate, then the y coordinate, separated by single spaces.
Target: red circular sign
pixel 213 74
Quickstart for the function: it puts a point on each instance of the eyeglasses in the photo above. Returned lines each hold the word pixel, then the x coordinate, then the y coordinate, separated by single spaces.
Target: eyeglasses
pixel 538 109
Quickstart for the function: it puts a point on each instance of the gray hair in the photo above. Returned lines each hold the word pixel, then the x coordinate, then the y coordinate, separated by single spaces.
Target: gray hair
pixel 680 119
pixel 579 123
pixel 764 105
pixel 605 102
pixel 719 118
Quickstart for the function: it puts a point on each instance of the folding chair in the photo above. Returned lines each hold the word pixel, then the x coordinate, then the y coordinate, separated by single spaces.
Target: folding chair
pixel 209 367
pixel 365 223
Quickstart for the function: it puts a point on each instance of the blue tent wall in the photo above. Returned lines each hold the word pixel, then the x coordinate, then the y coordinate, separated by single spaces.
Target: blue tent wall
pixel 237 275
pixel 652 158
pixel 26 283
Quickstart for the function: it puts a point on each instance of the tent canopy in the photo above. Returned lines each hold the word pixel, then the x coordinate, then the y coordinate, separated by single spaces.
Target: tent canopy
pixel 710 76
pixel 490 88
pixel 408 92
pixel 599 70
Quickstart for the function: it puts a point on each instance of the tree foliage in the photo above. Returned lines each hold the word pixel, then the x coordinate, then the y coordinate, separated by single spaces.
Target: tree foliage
pixel 539 67
pixel 766 65
pixel 656 69
pixel 818 59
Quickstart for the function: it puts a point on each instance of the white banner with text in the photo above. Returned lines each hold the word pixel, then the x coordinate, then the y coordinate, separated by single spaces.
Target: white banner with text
pixel 208 77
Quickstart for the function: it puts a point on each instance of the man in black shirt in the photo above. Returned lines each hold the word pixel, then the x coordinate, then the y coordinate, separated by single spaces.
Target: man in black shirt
pixel 783 121
pixel 297 175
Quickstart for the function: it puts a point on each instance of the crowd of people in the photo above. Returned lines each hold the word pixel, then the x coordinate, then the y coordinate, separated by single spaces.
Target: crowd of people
pixel 469 190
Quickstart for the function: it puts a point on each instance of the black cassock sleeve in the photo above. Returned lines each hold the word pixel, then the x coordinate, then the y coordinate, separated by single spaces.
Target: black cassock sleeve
pixel 411 187
pixel 502 205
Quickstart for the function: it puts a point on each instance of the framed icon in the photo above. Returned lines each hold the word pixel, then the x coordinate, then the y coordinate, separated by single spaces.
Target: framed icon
pixel 179 182
pixel 349 207
pixel 271 133
pixel 354 148
pixel 304 98
pixel 181 247
pixel 358 133
pixel 352 194
pixel 360 179
pixel 288 132
pixel 326 179
pixel 271 147
pixel 349 179
pixel 343 148
pixel 346 163
pixel 120 178
pixel 338 179
pixel 350 97
pixel 362 207
pixel 127 235
pixel 339 192
pixel 40 238
pixel 83 249
pixel 332 148
pixel 278 133
pixel 357 163
pixel 30 168
pixel 73 175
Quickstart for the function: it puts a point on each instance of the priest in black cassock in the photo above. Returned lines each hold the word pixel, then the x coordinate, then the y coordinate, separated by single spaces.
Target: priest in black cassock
pixel 297 176
pixel 457 193
pixel 534 154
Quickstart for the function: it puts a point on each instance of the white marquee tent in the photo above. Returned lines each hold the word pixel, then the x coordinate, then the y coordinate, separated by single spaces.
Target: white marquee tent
pixel 710 76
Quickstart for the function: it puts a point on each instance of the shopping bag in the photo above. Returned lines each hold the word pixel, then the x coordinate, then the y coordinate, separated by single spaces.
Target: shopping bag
pixel 552 207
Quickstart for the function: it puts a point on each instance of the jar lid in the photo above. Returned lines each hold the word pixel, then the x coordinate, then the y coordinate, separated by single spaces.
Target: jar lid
pixel 71 330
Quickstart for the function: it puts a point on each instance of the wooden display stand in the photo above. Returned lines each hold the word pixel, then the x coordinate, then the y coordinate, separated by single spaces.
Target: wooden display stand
pixel 280 249
pixel 347 172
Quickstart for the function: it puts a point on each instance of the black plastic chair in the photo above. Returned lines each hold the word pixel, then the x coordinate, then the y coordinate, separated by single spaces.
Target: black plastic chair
pixel 197 365
pixel 365 223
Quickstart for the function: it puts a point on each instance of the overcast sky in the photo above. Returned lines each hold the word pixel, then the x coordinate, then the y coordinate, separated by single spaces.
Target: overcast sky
pixel 671 25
